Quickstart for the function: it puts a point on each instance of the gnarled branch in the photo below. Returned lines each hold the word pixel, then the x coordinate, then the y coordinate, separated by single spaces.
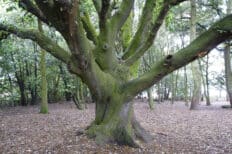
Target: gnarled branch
pixel 45 42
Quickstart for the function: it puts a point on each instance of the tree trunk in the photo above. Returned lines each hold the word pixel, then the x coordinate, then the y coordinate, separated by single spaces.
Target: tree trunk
pixel 115 122
pixel 195 66
pixel 228 73
pixel 23 98
pixel 159 92
pixel 227 57
pixel 205 81
pixel 186 87
pixel 150 98
pixel 34 93
pixel 44 96
pixel 67 93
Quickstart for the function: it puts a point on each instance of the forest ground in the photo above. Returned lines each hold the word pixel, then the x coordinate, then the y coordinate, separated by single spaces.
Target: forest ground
pixel 174 127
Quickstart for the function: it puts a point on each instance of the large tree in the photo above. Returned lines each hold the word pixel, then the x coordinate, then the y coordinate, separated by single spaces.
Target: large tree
pixel 92 55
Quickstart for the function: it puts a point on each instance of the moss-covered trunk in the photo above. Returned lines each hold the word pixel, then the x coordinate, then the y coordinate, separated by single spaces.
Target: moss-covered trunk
pixel 44 96
pixel 115 122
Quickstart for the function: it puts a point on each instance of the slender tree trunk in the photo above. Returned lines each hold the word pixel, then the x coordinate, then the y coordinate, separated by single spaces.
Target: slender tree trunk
pixel 78 97
pixel 23 98
pixel 174 86
pixel 150 98
pixel 44 96
pixel 205 81
pixel 68 94
pixel 186 87
pixel 228 72
pixel 195 66
pixel 34 95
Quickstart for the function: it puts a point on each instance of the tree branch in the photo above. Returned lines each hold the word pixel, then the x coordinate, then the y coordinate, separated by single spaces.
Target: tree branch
pixel 89 28
pixel 104 13
pixel 150 39
pixel 147 30
pixel 29 6
pixel 120 17
pixel 144 23
pixel 45 42
pixel 218 33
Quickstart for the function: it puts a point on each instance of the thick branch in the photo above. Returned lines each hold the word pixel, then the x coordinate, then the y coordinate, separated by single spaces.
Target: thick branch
pixel 29 6
pixel 144 23
pixel 104 13
pixel 45 42
pixel 217 34
pixel 121 15
pixel 89 28
pixel 147 30
pixel 150 39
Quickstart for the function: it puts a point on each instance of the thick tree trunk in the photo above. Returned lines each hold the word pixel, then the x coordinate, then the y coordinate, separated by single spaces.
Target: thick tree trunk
pixel 115 122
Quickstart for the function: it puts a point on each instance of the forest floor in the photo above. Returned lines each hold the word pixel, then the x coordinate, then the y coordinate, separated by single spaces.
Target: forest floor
pixel 175 129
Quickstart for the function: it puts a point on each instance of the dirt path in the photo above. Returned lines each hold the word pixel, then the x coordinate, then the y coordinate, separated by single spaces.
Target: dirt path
pixel 174 127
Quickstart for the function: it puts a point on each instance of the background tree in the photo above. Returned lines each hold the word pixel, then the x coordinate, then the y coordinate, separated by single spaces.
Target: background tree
pixel 196 96
pixel 227 57
pixel 44 94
